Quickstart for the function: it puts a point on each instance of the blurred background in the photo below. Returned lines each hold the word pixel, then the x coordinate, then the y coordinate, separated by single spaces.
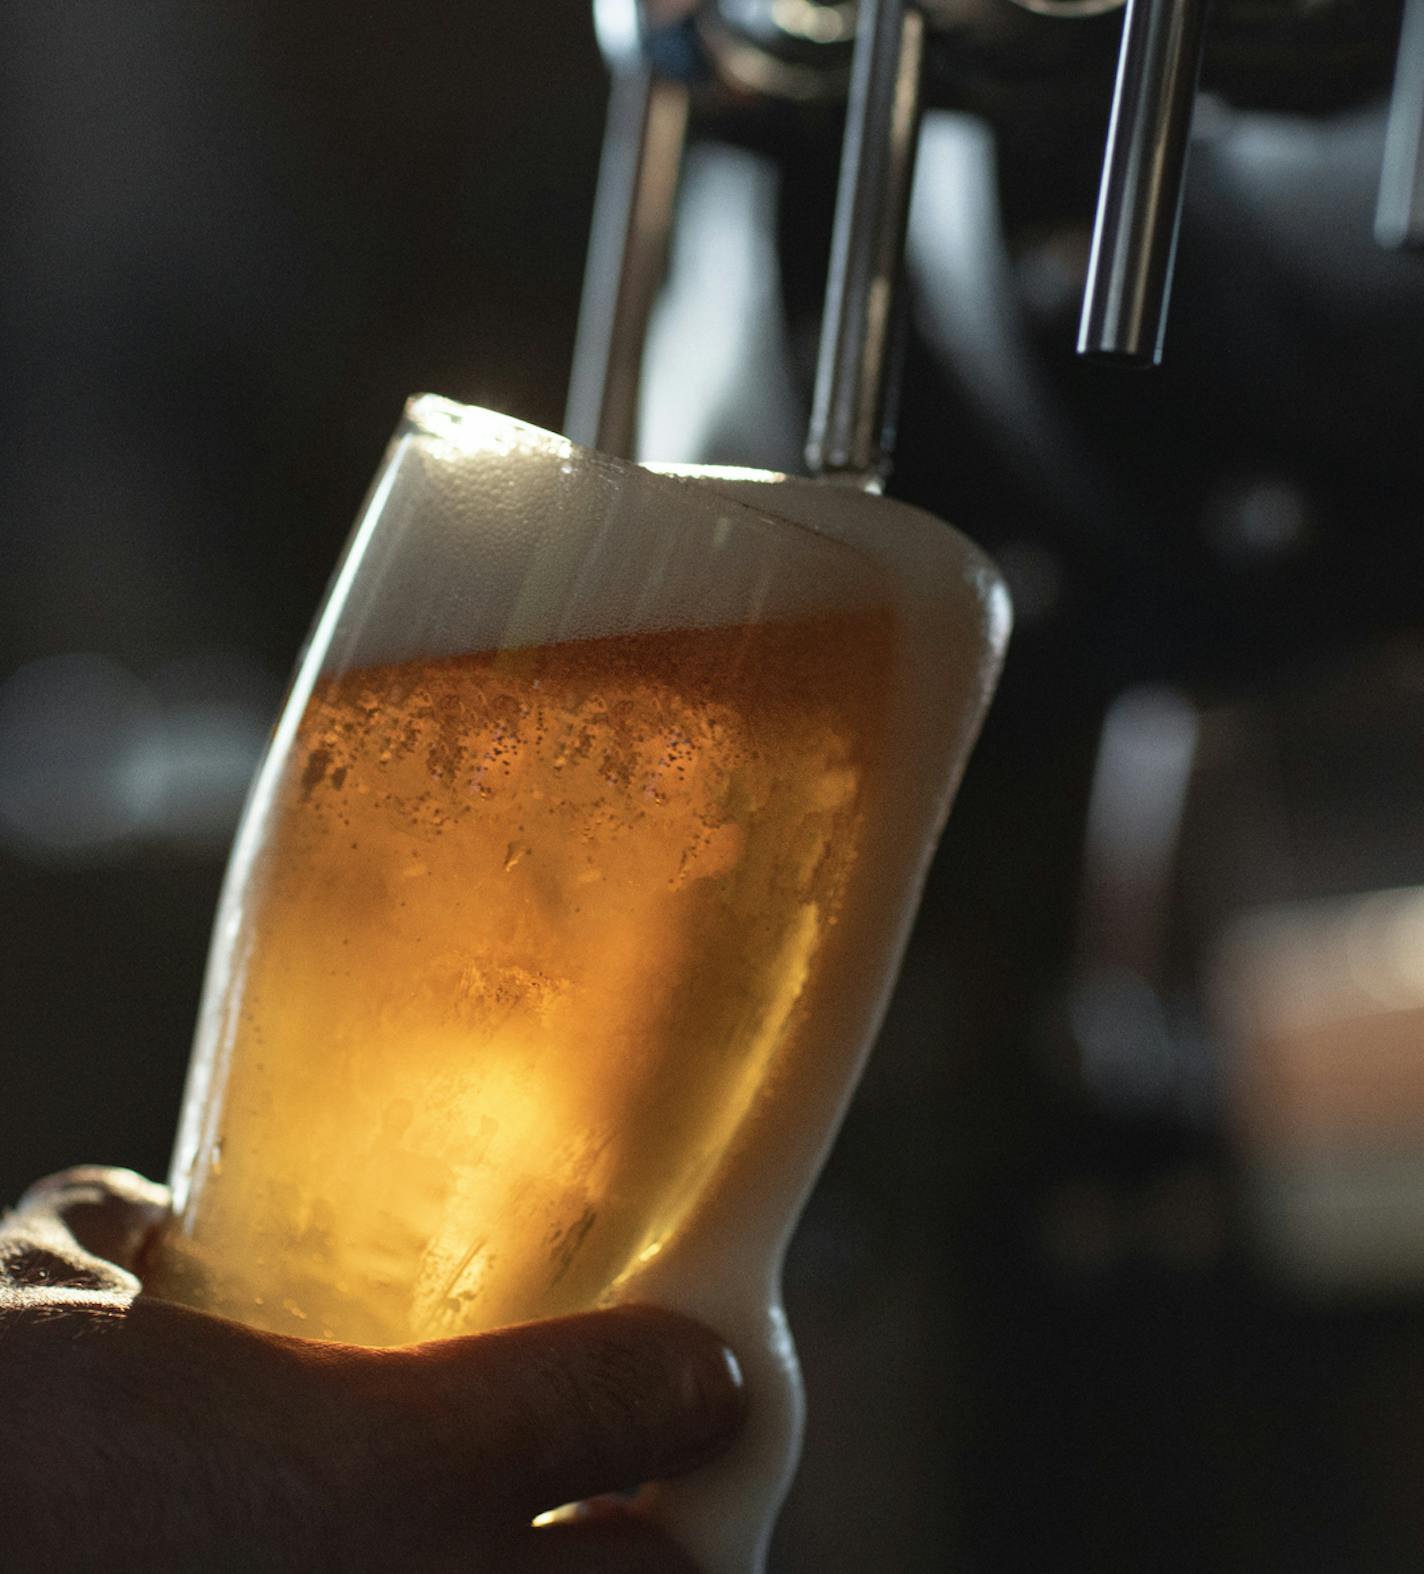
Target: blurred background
pixel 1119 1263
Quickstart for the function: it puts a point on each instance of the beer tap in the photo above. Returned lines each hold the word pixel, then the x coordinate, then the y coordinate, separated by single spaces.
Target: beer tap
pixel 1399 216
pixel 806 53
pixel 1140 200
pixel 653 60
pixel 655 55
pixel 849 433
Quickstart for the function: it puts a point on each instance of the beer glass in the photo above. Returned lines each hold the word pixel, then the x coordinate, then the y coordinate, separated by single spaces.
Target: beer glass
pixel 566 903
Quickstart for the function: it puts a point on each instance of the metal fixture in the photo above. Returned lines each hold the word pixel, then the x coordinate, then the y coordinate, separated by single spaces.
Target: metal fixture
pixel 648 106
pixel 1399 217
pixel 1140 199
pixel 848 436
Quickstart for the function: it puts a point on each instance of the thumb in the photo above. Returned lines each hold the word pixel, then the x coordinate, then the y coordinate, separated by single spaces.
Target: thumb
pixel 110 1213
pixel 547 1413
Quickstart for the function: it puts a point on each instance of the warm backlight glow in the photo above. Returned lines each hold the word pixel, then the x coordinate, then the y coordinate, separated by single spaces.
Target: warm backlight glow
pixel 524 935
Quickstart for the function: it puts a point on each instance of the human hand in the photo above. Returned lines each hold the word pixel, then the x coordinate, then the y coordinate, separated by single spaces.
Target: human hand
pixel 140 1434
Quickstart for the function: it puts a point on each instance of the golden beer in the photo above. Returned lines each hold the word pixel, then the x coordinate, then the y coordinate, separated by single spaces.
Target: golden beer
pixel 524 935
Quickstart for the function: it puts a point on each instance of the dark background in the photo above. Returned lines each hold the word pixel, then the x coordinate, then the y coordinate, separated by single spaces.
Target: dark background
pixel 1039 1329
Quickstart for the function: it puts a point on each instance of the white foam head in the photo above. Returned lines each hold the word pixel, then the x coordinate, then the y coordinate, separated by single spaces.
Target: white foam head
pixel 495 534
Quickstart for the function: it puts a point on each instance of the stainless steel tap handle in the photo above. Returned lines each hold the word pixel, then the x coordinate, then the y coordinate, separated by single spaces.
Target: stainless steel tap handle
pixel 1140 199
pixel 632 218
pixel 847 435
pixel 1399 216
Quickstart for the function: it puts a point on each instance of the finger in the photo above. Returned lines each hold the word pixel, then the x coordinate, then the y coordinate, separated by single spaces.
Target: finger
pixel 550 1412
pixel 150 1426
pixel 429 1451
pixel 612 1544
pixel 41 1257
pixel 111 1213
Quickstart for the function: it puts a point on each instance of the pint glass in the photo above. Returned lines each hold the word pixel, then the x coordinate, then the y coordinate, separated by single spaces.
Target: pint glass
pixel 566 902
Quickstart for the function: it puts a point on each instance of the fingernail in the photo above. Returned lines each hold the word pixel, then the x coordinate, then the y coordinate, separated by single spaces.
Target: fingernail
pixel 719 1391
